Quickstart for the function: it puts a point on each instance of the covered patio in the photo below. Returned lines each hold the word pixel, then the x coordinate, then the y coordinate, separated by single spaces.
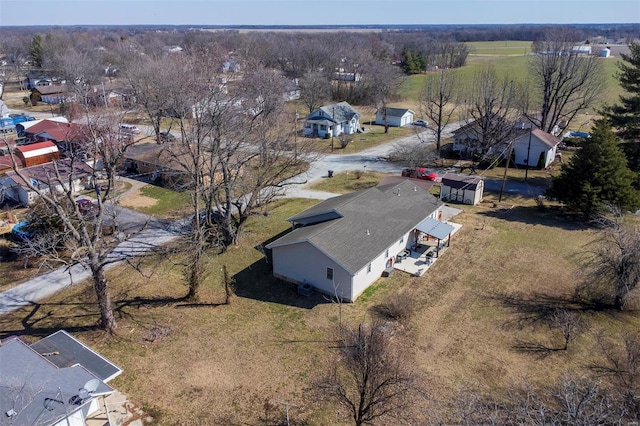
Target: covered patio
pixel 432 239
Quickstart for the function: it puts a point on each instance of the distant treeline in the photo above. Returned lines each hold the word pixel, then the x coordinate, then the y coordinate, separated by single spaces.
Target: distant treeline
pixel 460 33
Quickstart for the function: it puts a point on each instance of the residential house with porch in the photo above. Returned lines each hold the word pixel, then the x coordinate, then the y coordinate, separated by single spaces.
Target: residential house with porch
pixel 332 120
pixel 343 245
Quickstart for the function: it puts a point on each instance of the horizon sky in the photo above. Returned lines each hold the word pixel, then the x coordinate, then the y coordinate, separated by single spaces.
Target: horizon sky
pixel 311 12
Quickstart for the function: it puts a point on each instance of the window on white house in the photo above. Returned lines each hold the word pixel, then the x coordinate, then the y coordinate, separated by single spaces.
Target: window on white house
pixel 368 268
pixel 330 274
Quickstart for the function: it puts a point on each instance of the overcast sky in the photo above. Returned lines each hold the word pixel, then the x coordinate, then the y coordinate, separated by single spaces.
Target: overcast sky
pixel 310 12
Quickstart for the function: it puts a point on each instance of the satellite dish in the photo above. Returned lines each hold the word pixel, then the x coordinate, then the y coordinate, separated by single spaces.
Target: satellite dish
pixel 85 392
pixel 92 385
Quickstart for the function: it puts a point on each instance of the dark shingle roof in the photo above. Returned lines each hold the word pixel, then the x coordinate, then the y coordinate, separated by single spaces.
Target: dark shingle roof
pixel 69 351
pixel 339 112
pixel 395 112
pixel 458 181
pixel 371 220
pixel 38 391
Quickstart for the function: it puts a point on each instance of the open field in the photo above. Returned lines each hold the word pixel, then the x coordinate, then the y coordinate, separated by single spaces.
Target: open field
pixel 214 364
pixel 508 47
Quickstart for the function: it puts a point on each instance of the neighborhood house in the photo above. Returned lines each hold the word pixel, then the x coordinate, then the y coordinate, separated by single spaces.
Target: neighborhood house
pixel 344 244
pixel 55 175
pixel 535 149
pixel 332 120
pixel 396 117
pixel 56 381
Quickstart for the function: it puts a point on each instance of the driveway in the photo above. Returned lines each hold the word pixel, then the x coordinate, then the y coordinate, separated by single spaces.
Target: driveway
pixel 371 159
pixel 514 187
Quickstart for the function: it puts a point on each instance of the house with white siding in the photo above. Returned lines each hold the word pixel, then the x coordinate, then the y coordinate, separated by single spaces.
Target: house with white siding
pixel 395 117
pixel 535 149
pixel 342 245
pixel 332 120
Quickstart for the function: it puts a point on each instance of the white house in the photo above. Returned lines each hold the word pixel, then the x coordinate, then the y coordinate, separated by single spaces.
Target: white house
pixel 396 117
pixel 332 120
pixel 342 245
pixel 535 149
pixel 461 188
pixel 43 176
pixel 56 381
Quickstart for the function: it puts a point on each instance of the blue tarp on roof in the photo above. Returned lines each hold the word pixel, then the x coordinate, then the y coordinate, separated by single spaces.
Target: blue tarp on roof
pixel 435 228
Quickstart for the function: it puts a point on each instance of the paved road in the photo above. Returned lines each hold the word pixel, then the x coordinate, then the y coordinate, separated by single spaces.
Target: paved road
pixel 514 187
pixel 372 159
pixel 157 233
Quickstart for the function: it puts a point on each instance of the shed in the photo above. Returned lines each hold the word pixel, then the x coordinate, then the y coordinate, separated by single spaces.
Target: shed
pixel 37 153
pixel 396 117
pixel 461 188
pixel 535 149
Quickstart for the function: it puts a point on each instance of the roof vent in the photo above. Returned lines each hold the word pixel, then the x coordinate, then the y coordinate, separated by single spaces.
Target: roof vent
pixel 415 188
pixel 368 232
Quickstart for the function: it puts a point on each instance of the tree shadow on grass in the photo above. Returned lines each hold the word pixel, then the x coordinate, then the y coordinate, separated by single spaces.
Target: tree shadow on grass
pixel 532 215
pixel 538 309
pixel 40 320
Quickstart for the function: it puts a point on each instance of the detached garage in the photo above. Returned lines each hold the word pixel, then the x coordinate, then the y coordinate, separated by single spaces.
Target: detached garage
pixel 463 189
pixel 395 117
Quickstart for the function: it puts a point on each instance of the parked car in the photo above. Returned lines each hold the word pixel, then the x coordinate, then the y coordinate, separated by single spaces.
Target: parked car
pixel 166 137
pixel 420 123
pixel 420 173
pixel 86 207
pixel 129 129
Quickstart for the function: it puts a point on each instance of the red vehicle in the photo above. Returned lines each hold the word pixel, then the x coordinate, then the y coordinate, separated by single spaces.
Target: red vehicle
pixel 420 173
pixel 86 207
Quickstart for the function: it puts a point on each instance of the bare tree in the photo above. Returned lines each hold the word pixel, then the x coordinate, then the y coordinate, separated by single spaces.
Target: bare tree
pixel 80 237
pixel 564 81
pixel 151 80
pixel 614 265
pixel 439 101
pixel 371 380
pixel 621 364
pixel 315 89
pixel 491 108
pixel 382 82
pixel 568 323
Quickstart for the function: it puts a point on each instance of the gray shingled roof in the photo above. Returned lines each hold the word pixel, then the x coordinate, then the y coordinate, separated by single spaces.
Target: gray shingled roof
pixel 546 138
pixel 371 221
pixel 38 391
pixel 340 112
pixel 69 351
pixel 459 181
pixel 395 112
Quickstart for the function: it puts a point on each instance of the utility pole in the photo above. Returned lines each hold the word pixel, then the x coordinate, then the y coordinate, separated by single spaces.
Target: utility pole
pixel 295 136
pixel 286 406
pixel 333 118
pixel 506 167
pixel 526 171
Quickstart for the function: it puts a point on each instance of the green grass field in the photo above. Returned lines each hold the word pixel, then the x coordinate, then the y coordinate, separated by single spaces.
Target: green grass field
pixel 515 67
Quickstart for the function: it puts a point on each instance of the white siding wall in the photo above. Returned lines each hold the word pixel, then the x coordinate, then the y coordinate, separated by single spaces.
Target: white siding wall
pixel 466 196
pixel 537 146
pixel 303 262
pixel 363 279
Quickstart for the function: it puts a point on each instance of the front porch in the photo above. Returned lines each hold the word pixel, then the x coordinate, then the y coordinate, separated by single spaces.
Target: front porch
pixel 418 259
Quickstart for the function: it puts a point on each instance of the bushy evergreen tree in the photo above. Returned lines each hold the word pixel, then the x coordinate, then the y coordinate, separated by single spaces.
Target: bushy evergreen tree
pixel 596 176
pixel 625 115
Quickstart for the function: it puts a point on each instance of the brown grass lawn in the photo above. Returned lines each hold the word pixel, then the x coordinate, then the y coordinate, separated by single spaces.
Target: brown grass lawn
pixel 208 364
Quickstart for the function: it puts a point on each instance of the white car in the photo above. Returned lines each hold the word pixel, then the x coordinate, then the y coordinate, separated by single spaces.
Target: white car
pixel 129 129
pixel 421 123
